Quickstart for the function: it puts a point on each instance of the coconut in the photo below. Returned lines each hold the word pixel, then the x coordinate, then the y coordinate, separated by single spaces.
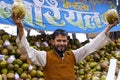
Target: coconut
pixel 111 16
pixel 16 67
pixel 0 77
pixel 4 77
pixel 103 77
pixel 20 70
pixel 23 58
pixel 24 66
pixel 1 42
pixel 10 66
pixel 39 73
pixel 18 61
pixel 4 51
pixel 10 76
pixel 4 71
pixel 33 73
pixel 18 9
pixel 24 75
pixel 5 37
pixel 29 76
pixel 3 64
pixel 35 78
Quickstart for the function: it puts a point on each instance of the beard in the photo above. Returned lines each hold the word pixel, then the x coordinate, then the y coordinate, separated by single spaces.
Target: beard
pixel 60 52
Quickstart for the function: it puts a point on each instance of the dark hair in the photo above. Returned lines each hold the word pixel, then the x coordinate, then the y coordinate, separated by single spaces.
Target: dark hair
pixel 59 32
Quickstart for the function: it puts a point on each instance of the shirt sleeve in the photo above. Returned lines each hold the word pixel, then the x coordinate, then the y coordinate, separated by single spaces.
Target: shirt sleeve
pixel 97 43
pixel 37 57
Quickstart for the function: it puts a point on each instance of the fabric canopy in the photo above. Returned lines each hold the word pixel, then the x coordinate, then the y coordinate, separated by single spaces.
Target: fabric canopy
pixel 76 16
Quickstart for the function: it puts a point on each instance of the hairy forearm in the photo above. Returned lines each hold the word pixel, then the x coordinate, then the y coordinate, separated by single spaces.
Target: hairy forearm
pixel 109 26
pixel 20 30
pixel 107 29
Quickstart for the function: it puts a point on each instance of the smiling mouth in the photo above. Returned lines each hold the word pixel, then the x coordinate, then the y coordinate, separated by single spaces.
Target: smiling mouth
pixel 61 47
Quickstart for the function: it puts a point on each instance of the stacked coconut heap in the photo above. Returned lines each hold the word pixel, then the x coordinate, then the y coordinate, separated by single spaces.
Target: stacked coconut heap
pixel 96 65
pixel 15 65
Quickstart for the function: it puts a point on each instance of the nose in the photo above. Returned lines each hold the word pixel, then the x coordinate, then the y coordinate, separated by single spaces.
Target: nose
pixel 61 42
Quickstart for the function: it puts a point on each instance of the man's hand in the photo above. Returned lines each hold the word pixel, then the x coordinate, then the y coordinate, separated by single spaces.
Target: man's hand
pixel 16 19
pixel 114 24
pixel 109 26
pixel 19 23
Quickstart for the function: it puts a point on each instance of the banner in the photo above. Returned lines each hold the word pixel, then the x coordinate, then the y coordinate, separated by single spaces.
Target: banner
pixel 79 16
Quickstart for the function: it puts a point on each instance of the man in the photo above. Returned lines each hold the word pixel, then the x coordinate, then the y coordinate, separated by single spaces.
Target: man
pixel 58 64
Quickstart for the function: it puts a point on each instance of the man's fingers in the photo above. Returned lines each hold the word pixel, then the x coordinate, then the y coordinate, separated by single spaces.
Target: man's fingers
pixel 115 22
pixel 21 16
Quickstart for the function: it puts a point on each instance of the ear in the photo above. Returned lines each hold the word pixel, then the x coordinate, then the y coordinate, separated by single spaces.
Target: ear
pixel 52 41
pixel 68 41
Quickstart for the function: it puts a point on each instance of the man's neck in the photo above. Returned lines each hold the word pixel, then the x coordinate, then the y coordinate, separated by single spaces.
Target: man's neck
pixel 59 53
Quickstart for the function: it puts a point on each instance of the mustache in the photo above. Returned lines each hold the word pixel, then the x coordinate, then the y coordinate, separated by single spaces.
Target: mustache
pixel 61 46
pixel 56 47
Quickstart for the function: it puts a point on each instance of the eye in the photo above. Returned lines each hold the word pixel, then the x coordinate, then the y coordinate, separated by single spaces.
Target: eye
pixel 64 40
pixel 58 40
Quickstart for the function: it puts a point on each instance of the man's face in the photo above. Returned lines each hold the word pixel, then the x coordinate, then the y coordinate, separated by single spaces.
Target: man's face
pixel 60 43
